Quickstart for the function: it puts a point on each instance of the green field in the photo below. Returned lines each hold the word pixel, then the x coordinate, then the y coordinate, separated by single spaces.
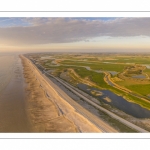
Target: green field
pixel 142 89
pixel 131 59
pixel 97 78
pixel 118 63
pixel 97 65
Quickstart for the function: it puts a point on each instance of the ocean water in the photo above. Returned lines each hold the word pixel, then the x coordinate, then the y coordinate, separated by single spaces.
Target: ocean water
pixel 7 64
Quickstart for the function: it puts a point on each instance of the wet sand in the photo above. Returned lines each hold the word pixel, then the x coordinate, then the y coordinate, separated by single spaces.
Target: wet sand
pixel 13 116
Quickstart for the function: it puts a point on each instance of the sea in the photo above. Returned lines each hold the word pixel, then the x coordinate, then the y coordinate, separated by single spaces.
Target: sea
pixel 7 64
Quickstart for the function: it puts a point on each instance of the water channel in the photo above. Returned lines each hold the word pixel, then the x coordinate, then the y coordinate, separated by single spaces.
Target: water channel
pixel 119 102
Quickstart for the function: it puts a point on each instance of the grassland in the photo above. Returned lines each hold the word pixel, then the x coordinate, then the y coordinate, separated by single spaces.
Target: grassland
pixel 97 65
pixel 130 59
pixel 110 62
pixel 139 89
pixel 142 87
pixel 97 78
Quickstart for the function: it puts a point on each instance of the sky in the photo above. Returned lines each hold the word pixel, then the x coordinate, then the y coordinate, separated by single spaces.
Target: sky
pixel 75 34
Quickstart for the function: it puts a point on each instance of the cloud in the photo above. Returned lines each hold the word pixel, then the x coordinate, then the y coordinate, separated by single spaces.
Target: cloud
pixel 64 30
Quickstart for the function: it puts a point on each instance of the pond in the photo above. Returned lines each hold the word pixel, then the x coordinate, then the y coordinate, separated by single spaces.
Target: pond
pixel 147 66
pixel 100 71
pixel 87 67
pixel 109 82
pixel 113 72
pixel 119 102
pixel 139 76
pixel 108 62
